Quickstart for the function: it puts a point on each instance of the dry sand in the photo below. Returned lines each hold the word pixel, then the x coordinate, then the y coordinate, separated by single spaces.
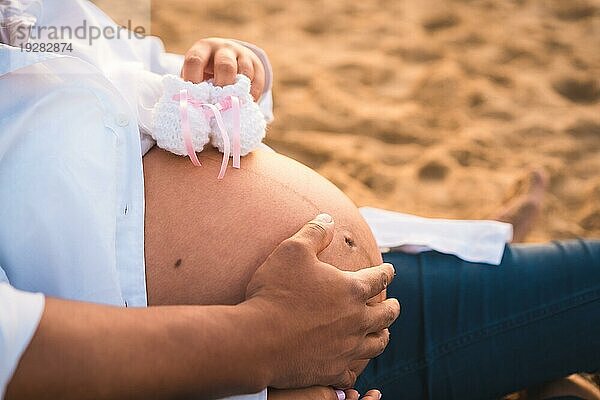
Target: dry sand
pixel 429 107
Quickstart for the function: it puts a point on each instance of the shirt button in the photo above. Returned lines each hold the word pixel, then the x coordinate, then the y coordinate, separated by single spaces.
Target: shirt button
pixel 122 120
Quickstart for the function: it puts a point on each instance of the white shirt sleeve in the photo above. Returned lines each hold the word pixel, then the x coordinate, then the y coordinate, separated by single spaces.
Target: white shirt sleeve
pixel 20 313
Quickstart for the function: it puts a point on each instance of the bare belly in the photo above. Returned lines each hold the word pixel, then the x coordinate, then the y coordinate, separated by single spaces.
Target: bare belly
pixel 204 238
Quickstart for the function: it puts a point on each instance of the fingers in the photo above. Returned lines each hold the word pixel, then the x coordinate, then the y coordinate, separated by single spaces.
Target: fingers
pixel 245 66
pixel 372 281
pixel 317 234
pixel 226 66
pixel 222 60
pixel 258 82
pixel 372 395
pixel 374 344
pixel 352 394
pixel 382 315
pixel 309 393
pixel 196 61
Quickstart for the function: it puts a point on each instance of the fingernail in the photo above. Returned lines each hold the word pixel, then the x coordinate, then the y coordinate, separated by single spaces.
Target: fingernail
pixel 380 395
pixel 325 218
pixel 340 393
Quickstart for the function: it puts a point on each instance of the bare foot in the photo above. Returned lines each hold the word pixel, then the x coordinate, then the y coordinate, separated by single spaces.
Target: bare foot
pixel 525 204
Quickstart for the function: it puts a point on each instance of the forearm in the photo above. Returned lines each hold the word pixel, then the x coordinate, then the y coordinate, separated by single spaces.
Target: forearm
pixel 84 351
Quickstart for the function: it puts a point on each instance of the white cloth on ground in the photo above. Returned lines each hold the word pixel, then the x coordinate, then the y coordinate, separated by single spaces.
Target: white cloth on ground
pixel 476 241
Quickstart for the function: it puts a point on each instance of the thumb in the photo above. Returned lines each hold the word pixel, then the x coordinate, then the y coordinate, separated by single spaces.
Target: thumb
pixel 317 233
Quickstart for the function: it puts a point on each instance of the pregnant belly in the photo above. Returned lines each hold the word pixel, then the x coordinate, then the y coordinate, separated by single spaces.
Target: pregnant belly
pixel 204 238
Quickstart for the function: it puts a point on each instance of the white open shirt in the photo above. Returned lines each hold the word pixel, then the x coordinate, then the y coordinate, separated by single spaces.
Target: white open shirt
pixel 71 181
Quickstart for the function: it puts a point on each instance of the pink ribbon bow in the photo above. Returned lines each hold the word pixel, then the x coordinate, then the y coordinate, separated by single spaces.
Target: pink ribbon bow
pixel 212 110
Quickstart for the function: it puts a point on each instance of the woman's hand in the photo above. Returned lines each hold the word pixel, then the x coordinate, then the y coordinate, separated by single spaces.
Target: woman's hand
pixel 318 321
pixel 371 395
pixel 321 393
pixel 222 60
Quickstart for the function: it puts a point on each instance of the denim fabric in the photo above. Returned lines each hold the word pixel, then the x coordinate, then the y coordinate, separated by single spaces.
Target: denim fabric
pixel 476 331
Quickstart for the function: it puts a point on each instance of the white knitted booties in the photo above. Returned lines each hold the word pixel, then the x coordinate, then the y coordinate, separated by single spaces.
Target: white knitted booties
pixel 253 124
pixel 167 124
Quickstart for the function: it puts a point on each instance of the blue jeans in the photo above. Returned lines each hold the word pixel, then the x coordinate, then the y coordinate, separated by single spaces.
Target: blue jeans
pixel 476 331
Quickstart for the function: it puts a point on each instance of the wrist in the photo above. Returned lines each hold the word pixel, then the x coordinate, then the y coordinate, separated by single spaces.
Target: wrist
pixel 217 350
pixel 259 343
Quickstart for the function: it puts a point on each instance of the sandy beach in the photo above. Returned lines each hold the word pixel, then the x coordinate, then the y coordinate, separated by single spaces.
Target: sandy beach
pixel 428 107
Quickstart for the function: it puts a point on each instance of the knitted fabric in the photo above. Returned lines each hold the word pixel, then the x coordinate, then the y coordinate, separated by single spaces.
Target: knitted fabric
pixel 166 118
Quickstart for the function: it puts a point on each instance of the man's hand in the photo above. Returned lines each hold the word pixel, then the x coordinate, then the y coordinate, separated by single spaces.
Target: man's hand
pixel 221 60
pixel 321 393
pixel 304 323
pixel 321 321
